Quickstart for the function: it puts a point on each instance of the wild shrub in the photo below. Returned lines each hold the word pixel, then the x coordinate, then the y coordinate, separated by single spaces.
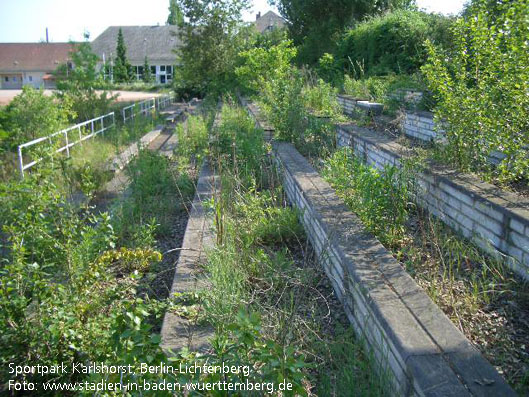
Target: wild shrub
pixel 391 43
pixel 65 288
pixel 481 85
pixel 32 114
pixel 379 198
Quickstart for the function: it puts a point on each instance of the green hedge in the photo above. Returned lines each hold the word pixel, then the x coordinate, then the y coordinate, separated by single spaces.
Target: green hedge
pixel 391 43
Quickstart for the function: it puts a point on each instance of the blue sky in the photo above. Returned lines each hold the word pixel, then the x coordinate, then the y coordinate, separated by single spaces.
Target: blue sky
pixel 26 20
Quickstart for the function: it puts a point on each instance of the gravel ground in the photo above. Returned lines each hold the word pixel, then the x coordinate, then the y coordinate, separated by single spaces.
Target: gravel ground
pixel 6 96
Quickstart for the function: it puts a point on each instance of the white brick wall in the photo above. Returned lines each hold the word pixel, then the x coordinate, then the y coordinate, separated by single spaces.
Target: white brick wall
pixel 421 126
pixel 411 339
pixel 493 227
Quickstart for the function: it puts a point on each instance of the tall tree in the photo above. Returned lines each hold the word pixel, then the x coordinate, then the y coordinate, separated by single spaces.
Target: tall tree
pixel 314 24
pixel 122 68
pixel 147 75
pixel 211 41
pixel 176 17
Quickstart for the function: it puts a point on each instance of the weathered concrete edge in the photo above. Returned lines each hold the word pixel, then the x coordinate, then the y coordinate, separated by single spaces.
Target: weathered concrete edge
pixel 178 332
pixel 438 360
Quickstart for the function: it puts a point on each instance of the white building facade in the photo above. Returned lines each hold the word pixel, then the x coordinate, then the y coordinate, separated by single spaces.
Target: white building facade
pixel 156 43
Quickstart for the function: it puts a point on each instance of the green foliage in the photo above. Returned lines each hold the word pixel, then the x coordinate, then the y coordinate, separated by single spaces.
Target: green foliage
pixel 350 369
pixel 390 43
pixel 379 198
pixel 122 68
pixel 176 17
pixel 157 193
pixel 481 86
pixel 328 70
pixel 314 25
pixel 64 286
pixel 265 64
pixel 212 35
pixel 32 114
pixel 193 140
pixel 238 144
pixel 77 85
pixel 147 75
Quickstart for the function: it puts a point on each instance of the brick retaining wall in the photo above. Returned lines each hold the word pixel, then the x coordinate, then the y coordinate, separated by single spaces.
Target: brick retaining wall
pixel 410 336
pixel 421 125
pixel 496 220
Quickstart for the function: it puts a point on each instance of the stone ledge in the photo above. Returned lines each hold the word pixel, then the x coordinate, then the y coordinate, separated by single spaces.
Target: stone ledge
pixel 178 332
pixel 426 353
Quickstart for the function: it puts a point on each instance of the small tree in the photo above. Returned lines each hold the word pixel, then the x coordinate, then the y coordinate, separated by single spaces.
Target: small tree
pixel 79 84
pixel 481 85
pixel 147 75
pixel 176 17
pixel 122 69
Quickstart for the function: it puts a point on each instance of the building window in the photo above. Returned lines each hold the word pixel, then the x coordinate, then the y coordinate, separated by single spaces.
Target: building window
pixel 162 79
pixel 6 78
pixel 153 69
pixel 169 69
pixel 14 78
pixel 138 71
pixel 30 78
pixel 162 68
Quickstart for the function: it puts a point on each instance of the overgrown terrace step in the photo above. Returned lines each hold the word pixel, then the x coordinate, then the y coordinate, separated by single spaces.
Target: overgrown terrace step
pixel 179 332
pixel 260 120
pixel 494 219
pixel 122 159
pixel 411 338
pixel 117 186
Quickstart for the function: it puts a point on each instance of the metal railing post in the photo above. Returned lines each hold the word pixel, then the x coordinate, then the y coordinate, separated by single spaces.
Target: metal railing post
pixel 21 162
pixel 67 143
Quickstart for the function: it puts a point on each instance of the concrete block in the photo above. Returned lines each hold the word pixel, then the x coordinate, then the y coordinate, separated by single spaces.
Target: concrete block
pixel 519 241
pixel 518 226
pixel 487 235
pixel 459 194
pixel 489 209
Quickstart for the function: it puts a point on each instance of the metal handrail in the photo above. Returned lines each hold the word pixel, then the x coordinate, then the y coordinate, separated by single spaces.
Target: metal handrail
pixel 68 145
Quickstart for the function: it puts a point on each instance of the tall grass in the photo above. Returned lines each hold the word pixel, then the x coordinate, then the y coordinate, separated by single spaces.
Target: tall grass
pixel 262 277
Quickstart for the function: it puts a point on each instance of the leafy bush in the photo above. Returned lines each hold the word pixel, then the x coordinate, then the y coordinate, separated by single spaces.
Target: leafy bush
pixel 31 115
pixel 66 290
pixel 379 198
pixel 481 86
pixel 262 64
pixel 391 43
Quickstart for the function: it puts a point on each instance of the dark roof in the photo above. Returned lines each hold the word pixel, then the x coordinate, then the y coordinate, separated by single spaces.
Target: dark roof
pixel 155 42
pixel 33 56
pixel 268 21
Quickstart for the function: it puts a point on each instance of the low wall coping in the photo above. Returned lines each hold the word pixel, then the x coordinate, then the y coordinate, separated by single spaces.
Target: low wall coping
pixel 438 359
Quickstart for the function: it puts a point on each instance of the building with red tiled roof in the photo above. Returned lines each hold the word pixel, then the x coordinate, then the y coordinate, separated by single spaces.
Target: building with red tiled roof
pixel 31 63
